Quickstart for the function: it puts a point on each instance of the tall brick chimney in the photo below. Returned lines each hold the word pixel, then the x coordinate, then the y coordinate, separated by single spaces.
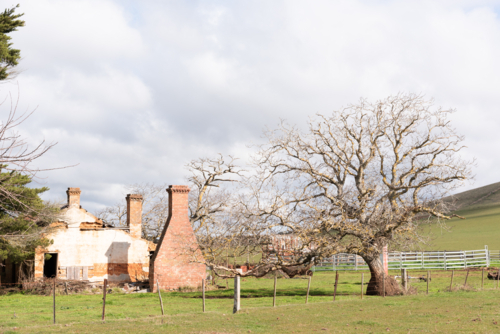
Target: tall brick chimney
pixel 174 263
pixel 73 197
pixel 134 214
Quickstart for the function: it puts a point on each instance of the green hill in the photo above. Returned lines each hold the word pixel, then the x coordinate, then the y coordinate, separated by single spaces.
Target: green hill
pixel 476 198
pixel 481 208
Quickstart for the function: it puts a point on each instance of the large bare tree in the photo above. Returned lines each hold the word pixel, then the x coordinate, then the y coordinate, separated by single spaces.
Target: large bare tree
pixel 361 178
pixel 357 180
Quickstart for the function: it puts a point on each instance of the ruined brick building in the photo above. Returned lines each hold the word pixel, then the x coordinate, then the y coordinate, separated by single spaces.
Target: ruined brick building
pixel 85 248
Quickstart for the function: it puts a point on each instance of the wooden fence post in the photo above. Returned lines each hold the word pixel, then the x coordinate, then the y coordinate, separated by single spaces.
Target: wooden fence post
pixel 404 279
pixel 66 287
pixel 159 295
pixel 274 294
pixel 498 277
pixel 428 279
pixel 336 283
pixel 383 283
pixel 236 307
pixel 54 300
pixel 308 287
pixel 451 283
pixel 362 278
pixel 466 277
pixel 203 293
pixel 104 287
pixel 482 279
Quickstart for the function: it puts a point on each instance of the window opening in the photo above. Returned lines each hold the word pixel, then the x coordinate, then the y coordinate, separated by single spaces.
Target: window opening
pixel 50 265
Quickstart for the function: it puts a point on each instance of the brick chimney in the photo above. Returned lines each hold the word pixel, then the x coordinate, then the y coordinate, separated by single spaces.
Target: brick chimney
pixel 73 197
pixel 134 214
pixel 172 264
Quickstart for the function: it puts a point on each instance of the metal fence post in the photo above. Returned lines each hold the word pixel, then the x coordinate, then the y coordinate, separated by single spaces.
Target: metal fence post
pixel 487 254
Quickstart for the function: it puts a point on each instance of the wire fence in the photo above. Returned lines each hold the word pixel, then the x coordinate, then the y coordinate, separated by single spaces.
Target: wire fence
pixel 57 308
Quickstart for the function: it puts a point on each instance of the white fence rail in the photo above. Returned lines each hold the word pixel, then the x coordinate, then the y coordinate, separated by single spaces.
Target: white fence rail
pixel 415 260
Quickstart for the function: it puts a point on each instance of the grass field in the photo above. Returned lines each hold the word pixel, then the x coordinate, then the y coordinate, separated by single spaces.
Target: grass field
pixel 481 208
pixel 481 227
pixel 460 311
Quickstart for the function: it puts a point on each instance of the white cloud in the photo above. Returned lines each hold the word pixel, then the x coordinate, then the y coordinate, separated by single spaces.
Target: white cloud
pixel 133 90
pixel 86 32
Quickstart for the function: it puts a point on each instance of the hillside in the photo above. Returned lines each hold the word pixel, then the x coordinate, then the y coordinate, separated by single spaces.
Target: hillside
pixel 481 208
pixel 476 198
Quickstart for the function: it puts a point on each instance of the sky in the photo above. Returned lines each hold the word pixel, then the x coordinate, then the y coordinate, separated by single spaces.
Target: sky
pixel 131 91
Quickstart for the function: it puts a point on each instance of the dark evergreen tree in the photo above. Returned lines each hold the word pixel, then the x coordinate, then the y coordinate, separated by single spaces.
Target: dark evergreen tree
pixel 23 217
pixel 9 57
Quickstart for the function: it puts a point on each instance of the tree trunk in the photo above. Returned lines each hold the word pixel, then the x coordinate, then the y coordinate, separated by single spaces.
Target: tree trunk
pixel 375 285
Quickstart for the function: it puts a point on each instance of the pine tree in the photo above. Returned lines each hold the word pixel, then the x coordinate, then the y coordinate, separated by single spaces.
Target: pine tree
pixel 9 56
pixel 23 216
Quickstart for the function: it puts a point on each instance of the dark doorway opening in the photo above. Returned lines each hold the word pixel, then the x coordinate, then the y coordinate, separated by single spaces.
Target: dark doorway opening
pixel 50 265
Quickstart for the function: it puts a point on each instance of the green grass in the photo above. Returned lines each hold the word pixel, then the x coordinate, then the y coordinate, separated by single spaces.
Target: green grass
pixel 440 311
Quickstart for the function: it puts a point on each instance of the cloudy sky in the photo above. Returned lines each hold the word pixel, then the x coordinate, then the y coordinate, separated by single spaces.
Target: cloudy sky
pixel 133 90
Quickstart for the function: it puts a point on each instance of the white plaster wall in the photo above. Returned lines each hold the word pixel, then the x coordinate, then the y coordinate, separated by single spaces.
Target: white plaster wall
pixel 75 216
pixel 84 248
pixel 77 247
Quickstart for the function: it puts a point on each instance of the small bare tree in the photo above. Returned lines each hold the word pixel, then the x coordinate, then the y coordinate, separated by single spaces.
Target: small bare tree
pixel 360 178
pixel 208 197
pixel 228 226
pixel 24 217
pixel 16 159
pixel 154 209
